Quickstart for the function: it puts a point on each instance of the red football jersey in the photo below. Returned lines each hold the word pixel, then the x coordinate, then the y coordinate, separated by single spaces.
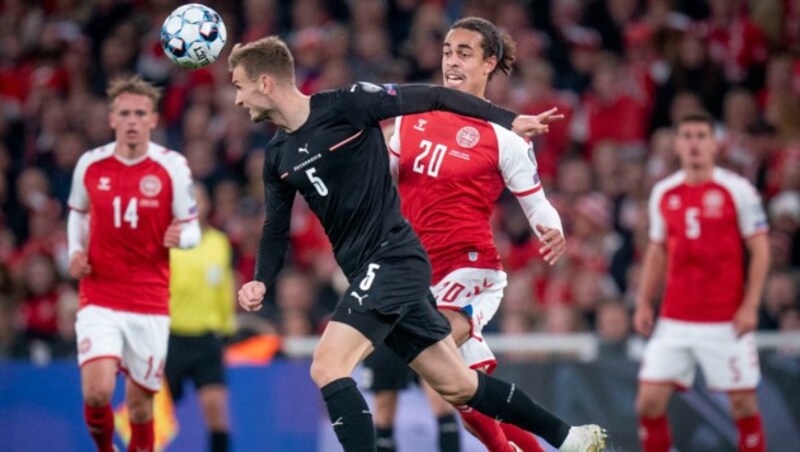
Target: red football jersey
pixel 702 227
pixel 451 170
pixel 130 206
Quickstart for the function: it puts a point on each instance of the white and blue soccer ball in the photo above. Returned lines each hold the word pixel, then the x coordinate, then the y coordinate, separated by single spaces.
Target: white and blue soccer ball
pixel 193 35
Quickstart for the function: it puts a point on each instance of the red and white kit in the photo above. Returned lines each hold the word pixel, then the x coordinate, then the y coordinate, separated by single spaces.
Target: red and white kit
pixel 702 227
pixel 120 212
pixel 451 170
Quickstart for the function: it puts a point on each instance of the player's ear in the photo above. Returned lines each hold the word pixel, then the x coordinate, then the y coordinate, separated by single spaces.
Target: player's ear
pixel 154 120
pixel 489 64
pixel 265 83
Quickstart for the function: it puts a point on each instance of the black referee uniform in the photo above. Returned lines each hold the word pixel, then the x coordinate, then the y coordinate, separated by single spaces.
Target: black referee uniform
pixel 339 163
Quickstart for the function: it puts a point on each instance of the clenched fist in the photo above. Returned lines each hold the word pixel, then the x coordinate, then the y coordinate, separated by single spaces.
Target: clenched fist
pixel 251 296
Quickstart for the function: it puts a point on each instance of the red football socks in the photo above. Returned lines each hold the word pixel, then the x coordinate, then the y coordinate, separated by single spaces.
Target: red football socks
pixel 486 429
pixel 100 421
pixel 143 437
pixel 751 434
pixel 524 439
pixel 654 434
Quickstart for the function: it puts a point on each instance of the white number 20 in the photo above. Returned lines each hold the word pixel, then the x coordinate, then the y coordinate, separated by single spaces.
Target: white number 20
pixel 692 223
pixel 435 162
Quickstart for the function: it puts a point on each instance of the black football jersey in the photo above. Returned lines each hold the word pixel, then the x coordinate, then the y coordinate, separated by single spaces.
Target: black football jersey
pixel 338 161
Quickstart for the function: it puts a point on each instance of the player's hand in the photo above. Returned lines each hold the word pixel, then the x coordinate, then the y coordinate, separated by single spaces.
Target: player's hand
pixel 251 296
pixel 531 125
pixel 643 319
pixel 745 320
pixel 172 238
pixel 79 265
pixel 554 243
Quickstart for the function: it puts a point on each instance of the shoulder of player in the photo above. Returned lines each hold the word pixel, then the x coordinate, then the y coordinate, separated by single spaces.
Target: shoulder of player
pixel 670 182
pixel 95 155
pixel 165 156
pixel 732 182
pixel 505 136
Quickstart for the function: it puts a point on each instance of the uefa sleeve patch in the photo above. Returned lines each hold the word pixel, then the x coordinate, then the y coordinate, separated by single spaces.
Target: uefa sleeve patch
pixel 391 89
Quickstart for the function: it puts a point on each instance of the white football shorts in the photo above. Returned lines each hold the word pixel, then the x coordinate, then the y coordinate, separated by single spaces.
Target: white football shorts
pixel 476 292
pixel 138 342
pixel 676 348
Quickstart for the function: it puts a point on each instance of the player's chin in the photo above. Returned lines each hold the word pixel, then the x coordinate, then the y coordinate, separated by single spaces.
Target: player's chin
pixel 454 83
pixel 259 116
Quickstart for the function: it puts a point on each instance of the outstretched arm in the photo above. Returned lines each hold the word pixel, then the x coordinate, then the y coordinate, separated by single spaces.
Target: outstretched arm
pixel 374 103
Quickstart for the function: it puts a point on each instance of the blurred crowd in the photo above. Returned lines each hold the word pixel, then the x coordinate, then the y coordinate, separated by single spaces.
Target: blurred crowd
pixel 621 71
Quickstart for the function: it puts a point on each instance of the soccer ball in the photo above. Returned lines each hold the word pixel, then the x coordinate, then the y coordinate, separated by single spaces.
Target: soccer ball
pixel 193 35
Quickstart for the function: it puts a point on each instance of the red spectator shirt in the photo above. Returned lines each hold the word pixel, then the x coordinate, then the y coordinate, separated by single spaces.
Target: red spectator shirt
pixel 451 170
pixel 702 227
pixel 130 206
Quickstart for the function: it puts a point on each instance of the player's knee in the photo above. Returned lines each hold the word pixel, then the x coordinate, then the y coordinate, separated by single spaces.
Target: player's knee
pixel 743 405
pixel 140 409
pixel 323 372
pixel 648 405
pixel 454 393
pixel 97 393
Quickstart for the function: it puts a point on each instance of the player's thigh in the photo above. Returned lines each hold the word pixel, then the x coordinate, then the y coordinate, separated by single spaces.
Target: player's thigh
pixel 475 293
pixel 668 356
pixel 728 362
pixel 100 344
pixel 99 334
pixel 341 347
pixel 144 355
pixel 390 301
pixel 441 366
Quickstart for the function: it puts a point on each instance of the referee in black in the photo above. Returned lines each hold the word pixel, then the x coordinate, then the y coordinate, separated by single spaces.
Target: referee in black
pixel 330 149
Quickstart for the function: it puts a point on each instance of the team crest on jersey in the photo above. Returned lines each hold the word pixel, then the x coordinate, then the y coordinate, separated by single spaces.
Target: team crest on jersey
pixel 150 186
pixel 712 203
pixel 421 124
pixel 104 184
pixel 85 346
pixel 468 137
pixel 473 256
pixel 674 202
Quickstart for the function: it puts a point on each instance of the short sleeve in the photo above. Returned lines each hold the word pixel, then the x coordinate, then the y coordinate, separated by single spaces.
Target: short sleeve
pixel 658 229
pixel 517 163
pixel 78 196
pixel 749 210
pixel 394 140
pixel 184 205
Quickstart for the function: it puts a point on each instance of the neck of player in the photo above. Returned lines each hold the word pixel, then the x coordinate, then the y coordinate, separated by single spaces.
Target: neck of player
pixel 699 174
pixel 293 110
pixel 131 151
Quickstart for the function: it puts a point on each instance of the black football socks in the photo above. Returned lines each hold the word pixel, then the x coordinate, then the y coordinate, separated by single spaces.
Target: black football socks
pixel 508 403
pixel 449 439
pixel 349 415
